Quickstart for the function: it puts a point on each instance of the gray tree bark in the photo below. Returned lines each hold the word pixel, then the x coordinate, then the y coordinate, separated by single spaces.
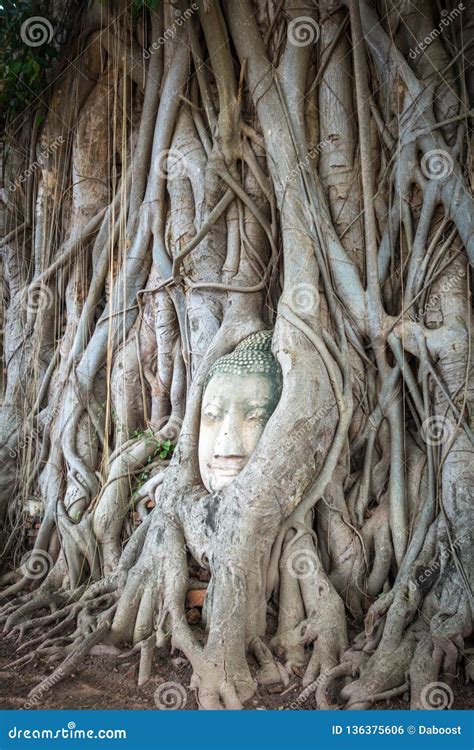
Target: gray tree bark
pixel 246 166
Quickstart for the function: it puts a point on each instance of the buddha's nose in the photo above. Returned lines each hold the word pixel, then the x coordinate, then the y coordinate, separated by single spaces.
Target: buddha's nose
pixel 229 442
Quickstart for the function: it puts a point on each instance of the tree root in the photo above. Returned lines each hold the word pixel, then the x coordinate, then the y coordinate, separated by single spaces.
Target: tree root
pixel 346 669
pixel 72 661
pixel 271 672
pixel 325 623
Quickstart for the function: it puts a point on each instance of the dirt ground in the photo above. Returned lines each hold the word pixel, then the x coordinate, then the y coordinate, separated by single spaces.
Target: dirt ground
pixel 108 682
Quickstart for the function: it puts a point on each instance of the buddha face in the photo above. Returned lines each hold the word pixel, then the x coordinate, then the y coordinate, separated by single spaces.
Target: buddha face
pixel 235 410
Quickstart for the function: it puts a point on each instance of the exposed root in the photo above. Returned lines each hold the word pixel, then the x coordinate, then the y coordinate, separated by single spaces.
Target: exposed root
pixel 327 678
pixel 271 672
pixel 73 659
pixel 146 272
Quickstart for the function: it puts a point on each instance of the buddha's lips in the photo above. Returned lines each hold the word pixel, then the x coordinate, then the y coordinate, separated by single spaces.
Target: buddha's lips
pixel 229 469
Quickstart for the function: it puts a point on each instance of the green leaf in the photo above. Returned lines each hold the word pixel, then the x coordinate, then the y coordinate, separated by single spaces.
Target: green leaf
pixel 16 67
pixel 36 70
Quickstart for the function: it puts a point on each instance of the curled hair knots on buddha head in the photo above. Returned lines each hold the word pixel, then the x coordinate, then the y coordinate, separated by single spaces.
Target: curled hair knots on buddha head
pixel 252 355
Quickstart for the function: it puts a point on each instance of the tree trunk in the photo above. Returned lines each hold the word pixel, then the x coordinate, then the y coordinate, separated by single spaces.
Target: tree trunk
pixel 204 173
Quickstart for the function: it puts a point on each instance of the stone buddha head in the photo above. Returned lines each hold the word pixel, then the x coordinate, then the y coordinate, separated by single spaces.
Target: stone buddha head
pixel 241 392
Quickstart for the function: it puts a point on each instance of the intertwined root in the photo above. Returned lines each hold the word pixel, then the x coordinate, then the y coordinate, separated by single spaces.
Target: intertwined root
pixel 150 612
pixel 215 691
pixel 384 676
pixel 143 605
pixel 340 678
pixel 398 655
pixel 88 611
pixel 311 610
pixel 271 672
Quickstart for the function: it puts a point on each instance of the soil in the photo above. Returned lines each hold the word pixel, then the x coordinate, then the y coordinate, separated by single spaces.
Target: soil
pixel 109 682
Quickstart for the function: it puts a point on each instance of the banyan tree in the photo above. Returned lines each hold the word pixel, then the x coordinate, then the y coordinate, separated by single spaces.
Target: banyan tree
pixel 235 252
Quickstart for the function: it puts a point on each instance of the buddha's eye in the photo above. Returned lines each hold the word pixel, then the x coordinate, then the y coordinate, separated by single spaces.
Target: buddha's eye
pixel 214 415
pixel 256 415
